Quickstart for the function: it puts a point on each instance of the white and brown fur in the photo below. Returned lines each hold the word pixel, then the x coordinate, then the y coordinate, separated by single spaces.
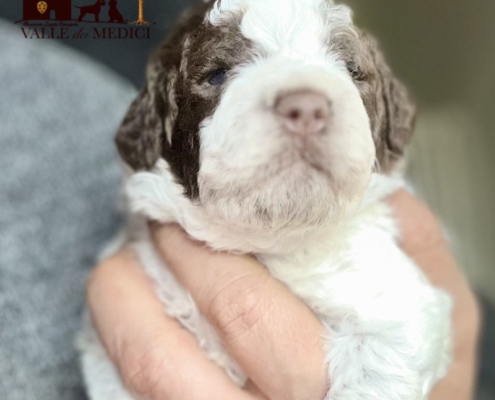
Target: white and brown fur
pixel 214 158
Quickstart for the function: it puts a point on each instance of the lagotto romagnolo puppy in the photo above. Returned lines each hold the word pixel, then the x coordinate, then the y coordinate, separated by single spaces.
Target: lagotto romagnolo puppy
pixel 275 128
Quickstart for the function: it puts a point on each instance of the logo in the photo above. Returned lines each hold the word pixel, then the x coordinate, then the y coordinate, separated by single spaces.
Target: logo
pixel 87 19
pixel 42 6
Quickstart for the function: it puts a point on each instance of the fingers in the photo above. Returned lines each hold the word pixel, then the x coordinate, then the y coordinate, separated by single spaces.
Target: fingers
pixel 423 240
pixel 156 358
pixel 271 333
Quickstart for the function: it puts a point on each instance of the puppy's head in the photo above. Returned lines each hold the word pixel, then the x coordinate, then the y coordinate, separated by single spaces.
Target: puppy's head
pixel 269 114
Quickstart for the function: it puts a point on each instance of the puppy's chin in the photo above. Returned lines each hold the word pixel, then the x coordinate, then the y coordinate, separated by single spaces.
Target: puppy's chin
pixel 301 196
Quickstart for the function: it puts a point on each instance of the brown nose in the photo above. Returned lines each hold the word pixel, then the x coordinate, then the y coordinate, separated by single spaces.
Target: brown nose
pixel 303 113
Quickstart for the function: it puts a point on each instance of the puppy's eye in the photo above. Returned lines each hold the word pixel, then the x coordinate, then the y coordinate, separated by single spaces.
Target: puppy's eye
pixel 356 73
pixel 217 77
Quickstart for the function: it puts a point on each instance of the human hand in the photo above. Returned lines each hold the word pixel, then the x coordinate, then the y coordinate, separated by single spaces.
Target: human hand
pixel 271 333
pixel 264 326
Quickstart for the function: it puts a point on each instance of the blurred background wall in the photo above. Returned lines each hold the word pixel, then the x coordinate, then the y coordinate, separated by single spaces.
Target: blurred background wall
pixel 445 51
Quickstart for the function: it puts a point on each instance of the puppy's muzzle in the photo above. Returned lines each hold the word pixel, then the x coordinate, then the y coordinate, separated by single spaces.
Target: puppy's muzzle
pixel 303 113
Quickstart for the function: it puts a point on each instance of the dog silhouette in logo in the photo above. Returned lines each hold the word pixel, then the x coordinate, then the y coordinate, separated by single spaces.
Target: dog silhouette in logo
pixel 92 9
pixel 113 12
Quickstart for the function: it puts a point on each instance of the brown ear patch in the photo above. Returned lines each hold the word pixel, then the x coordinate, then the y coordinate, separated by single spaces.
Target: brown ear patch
pixel 160 123
pixel 139 136
pixel 399 119
pixel 390 109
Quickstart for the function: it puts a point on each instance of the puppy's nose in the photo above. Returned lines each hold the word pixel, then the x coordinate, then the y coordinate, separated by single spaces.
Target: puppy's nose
pixel 303 113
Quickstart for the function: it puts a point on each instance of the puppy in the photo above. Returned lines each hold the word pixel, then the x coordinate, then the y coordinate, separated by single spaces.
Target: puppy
pixel 275 128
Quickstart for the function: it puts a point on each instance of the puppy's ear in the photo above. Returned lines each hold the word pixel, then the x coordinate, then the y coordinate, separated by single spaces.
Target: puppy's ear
pixel 139 138
pixel 398 119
